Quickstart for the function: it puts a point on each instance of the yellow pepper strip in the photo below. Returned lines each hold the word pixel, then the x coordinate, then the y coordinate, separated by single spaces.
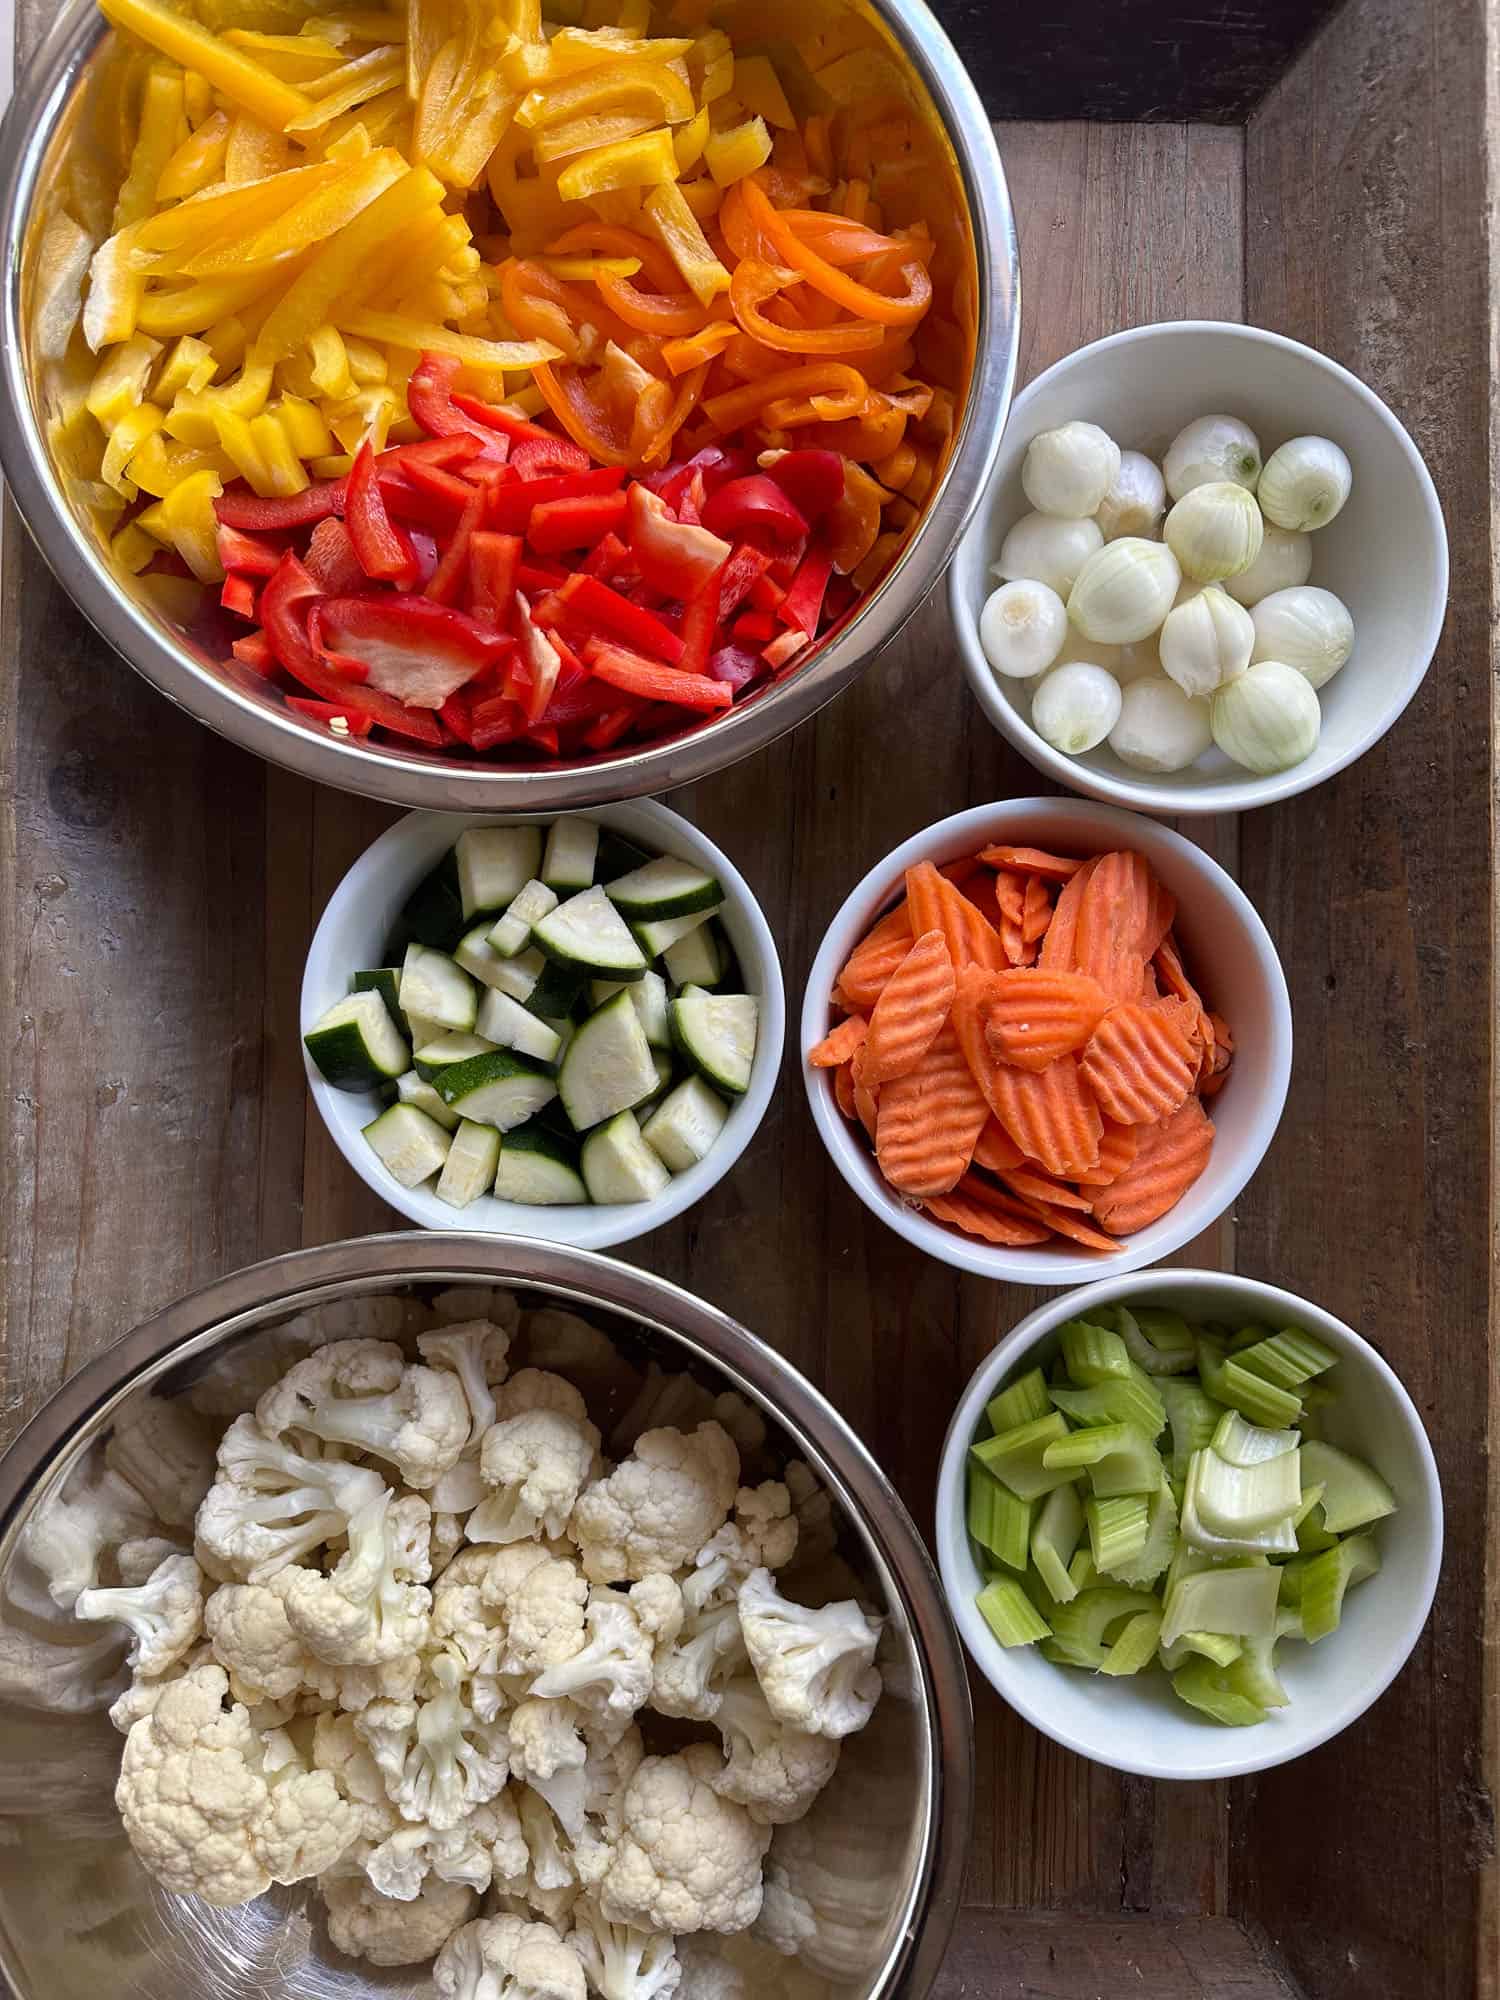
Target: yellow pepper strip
pixel 130 550
pixel 409 257
pixel 216 211
pixel 689 140
pixel 185 520
pixel 119 383
pixel 634 17
pixel 586 269
pixel 321 215
pixel 284 470
pixel 116 292
pixel 702 197
pixel 368 414
pixel 161 125
pixel 227 340
pixel 237 441
pixel 525 65
pixel 339 262
pixel 330 362
pixel 474 353
pixel 197 99
pixel 758 88
pixel 243 80
pixel 194 308
pixel 711 63
pixel 337 465
pixel 303 424
pixel 574 49
pixel 739 151
pixel 677 226
pixel 475 134
pixel 254 152
pixel 352 83
pixel 368 366
pixel 198 161
pixel 646 87
pixel 190 365
pixel 353 142
pixel 579 135
pixel 362 25
pixel 428 26
pixel 645 162
pixel 125 440
pixel 296 59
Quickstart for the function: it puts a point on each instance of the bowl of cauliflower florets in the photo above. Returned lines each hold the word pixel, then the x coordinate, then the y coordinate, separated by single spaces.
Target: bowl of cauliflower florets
pixel 470 1618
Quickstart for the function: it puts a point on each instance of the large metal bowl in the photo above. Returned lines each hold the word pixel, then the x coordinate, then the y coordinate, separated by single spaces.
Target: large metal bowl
pixel 885 1845
pixel 46 121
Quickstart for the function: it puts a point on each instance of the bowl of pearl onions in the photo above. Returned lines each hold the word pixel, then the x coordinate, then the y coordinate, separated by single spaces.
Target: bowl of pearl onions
pixel 1209 572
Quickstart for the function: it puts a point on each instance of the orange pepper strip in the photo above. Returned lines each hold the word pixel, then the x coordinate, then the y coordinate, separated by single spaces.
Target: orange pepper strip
pixel 820 378
pixel 696 348
pixel 753 283
pixel 874 434
pixel 818 146
pixel 783 413
pixel 689 394
pixel 827 278
pixel 567 396
pixel 663 314
pixel 532 301
pixel 842 242
pixel 607 239
pixel 851 526
pixel 741 236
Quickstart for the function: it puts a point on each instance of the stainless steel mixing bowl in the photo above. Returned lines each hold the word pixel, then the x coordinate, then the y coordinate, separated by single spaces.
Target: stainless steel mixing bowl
pixel 881 1857
pixel 47 122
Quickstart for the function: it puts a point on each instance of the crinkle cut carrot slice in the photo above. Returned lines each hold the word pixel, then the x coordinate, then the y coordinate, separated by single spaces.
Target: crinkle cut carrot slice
pixel 1050 1115
pixel 1139 1063
pixel 995 1149
pixel 1066 1223
pixel 937 905
pixel 1057 945
pixel 1031 861
pixel 974 1219
pixel 843 1090
pixel 866 1097
pixel 1171 1156
pixel 1162 912
pixel 1010 899
pixel 1031 1185
pixel 839 1043
pixel 1223 1040
pixel 1032 1016
pixel 1117 1150
pixel 909 1013
pixel 961 873
pixel 1114 921
pixel 1037 912
pixel 928 1121
pixel 874 959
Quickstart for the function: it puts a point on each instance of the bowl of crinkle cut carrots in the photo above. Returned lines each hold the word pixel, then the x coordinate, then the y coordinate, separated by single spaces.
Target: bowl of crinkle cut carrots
pixel 502 403
pixel 1045 1040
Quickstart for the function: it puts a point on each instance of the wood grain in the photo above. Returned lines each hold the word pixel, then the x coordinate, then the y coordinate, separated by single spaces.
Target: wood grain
pixel 1030 1957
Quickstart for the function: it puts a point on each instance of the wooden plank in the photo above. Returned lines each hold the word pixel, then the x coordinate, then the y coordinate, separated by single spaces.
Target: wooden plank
pixel 1378 886
pixel 1032 1957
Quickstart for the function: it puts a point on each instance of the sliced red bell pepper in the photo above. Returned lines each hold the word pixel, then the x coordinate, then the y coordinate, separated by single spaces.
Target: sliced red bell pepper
pixel 238 597
pixel 446 584
pixel 674 557
pixel 813 480
pixel 492 576
pixel 754 628
pixel 543 457
pixel 588 607
pixel 736 665
pixel 286 603
pixel 742 571
pixel 511 505
pixel 254 651
pixel 428 496
pixel 452 452
pixel 331 562
pixel 611 726
pixel 610 560
pixel 384 551
pixel 496 720
pixel 699 627
pixel 408 646
pixel 442 413
pixel 326 712
pixel 546 739
pixel 539 657
pixel 539 577
pixel 718 463
pixel 766 593
pixel 803 604
pixel 754 506
pixel 783 650
pixel 556 525
pixel 648 678
pixel 690 501
pixel 457 716
pixel 493 418
pixel 240 508
pixel 245 555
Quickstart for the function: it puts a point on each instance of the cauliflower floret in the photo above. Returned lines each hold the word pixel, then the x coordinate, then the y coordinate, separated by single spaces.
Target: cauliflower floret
pixel 623 1963
pixel 657 1602
pixel 507 1958
pixel 166 1451
pixel 447 1536
pixel 354 1688
pixel 537 1464
pixel 364 1393
pixel 550 1882
pixel 536 1389
pixel 815 1667
pixel 254 1641
pixel 271 1505
pixel 690 1672
pixel 340 1750
pixel 403 1860
pixel 653 1513
pixel 437 1758
pixel 364 1924
pixel 762 1535
pixel 470 1630
pixel 136 1559
pixel 611 1675
pixel 145 1691
pixel 686 1859
pixel 541 1599
pixel 164 1614
pixel 547 1752
pixel 475 1351
pixel 70 1530
pixel 773 1770
pixel 786 1921
pixel 201 1810
pixel 373 1605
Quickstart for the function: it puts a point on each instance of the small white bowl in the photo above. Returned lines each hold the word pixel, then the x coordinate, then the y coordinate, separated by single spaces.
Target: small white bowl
pixel 1226 945
pixel 1138 1724
pixel 352 933
pixel 1386 553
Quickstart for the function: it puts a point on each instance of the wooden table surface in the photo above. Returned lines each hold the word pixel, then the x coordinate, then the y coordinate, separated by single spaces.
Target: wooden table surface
pixel 158 888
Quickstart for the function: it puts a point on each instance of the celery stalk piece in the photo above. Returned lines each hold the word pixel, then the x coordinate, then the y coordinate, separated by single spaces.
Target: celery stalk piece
pixel 1206 1687
pixel 1261 1401
pixel 1278 1539
pixel 1247 1444
pixel 1325 1579
pixel 998 1521
pixel 1022 1403
pixel 1054 1538
pixel 1082 1572
pixel 1239 1602
pixel 1215 1646
pixel 1237 1502
pixel 1018 1457
pixel 1064 1656
pixel 1193 1417
pixel 1119 1457
pixel 1288 1358
pixel 1157 1340
pixel 1159 1547
pixel 1354 1494
pixel 1248 1336
pixel 1093 1354
pixel 1135 1648
pixel 1010 1613
pixel 1117 1528
pixel 1289 1622
pixel 1254 1674
pixel 1312 1532
pixel 1089 1621
pixel 1115 1401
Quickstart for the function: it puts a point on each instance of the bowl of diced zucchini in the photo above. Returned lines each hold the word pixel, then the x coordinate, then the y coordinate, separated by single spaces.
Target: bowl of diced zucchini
pixel 1189 1524
pixel 565 1027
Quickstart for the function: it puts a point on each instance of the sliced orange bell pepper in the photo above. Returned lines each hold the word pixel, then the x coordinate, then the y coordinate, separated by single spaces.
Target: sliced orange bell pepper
pixel 754 284
pixel 852 525
pixel 830 379
pixel 827 278
pixel 568 396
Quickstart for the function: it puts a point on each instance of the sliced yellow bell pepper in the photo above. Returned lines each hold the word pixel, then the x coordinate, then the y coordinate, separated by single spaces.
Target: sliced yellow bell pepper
pixel 227 340
pixel 600 128
pixel 185 520
pixel 254 152
pixel 161 127
pixel 116 292
pixel 304 426
pixel 330 362
pixel 367 365
pixel 216 211
pixel 163 462
pixel 119 382
pixel 644 162
pixel 242 79
pixel 689 140
pixel 487 354
pixel 321 215
pixel 279 455
pixel 131 550
pixel 191 365
pixel 124 440
pixel 370 413
pixel 198 161
pixel 574 49
pixel 651 88
pixel 296 59
pixel 703 196
pixel 677 226
pixel 363 24
pixel 195 308
pixel 474 135
pixel 197 98
pixel 739 151
pixel 711 64
pixel 352 83
pixel 194 419
pixel 758 88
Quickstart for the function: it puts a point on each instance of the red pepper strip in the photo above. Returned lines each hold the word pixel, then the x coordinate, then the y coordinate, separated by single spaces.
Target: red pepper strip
pixel 447 580
pixel 331 561
pixel 408 646
pixel 674 557
pixel 383 550
pixel 812 480
pixel 446 451
pixel 577 696
pixel 426 494
pixel 496 720
pixel 592 607
pixel 285 604
pixel 756 505
pixel 511 505
pixel 442 413
pixel 539 657
pixel 610 727
pixel 541 457
pixel 627 670
pixel 803 604
pixel 754 628
pixel 766 593
pixel 539 578
pixel 783 650
pixel 690 501
pixel 497 421
pixel 492 576
pixel 457 716
pixel 699 627
pixel 247 510
pixel 546 740
pixel 254 651
pixel 326 711
pixel 243 555
pixel 556 525
pixel 743 570
pixel 609 559
pixel 737 666
pixel 238 596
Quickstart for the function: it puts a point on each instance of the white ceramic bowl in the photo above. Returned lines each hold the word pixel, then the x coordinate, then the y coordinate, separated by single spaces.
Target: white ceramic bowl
pixel 1227 946
pixel 1138 1724
pixel 1385 554
pixel 353 931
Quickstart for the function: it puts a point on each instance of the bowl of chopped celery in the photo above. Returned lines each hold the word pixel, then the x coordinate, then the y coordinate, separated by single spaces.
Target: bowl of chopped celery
pixel 1189 1524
